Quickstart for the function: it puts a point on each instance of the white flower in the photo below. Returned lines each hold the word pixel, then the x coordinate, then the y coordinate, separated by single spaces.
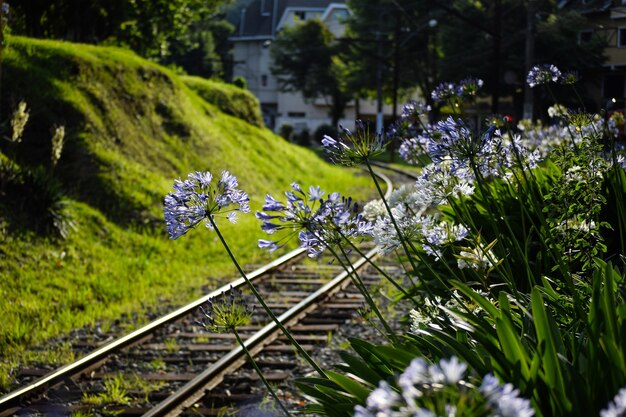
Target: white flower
pixel 558 110
pixel 452 369
pixel 374 209
pixel 616 408
pixel 479 259
pixel 505 399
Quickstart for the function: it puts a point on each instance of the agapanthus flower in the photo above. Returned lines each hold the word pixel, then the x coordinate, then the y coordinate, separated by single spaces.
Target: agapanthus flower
pixel 543 74
pixel 318 222
pixel 557 110
pixel 442 389
pixel 200 198
pixel 469 86
pixel 504 399
pixel 413 109
pixel 354 148
pixel 428 231
pixel 445 91
pixel 569 77
pixel 480 258
pixel 226 312
pixel 617 407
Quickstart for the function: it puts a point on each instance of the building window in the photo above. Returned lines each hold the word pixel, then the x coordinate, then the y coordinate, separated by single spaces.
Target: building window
pixel 296 114
pixel 621 37
pixel 263 80
pixel 300 15
pixel 584 36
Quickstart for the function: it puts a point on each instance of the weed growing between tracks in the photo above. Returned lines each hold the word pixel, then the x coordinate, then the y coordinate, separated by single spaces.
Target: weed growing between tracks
pixel 513 242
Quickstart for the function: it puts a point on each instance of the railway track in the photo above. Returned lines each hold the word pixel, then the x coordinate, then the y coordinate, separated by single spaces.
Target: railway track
pixel 172 366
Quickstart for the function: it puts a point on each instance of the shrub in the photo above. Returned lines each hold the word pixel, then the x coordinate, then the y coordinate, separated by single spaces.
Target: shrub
pixel 303 138
pixel 286 131
pixel 33 200
pixel 323 130
pixel 240 82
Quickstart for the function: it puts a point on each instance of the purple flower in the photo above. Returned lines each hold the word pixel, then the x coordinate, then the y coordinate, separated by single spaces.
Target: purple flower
pixel 199 198
pixel 469 86
pixel 543 74
pixel 354 148
pixel 318 223
pixel 445 91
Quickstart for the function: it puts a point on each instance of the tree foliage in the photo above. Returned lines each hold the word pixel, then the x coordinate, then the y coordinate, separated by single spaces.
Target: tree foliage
pixel 305 59
pixel 416 43
pixel 392 41
pixel 149 27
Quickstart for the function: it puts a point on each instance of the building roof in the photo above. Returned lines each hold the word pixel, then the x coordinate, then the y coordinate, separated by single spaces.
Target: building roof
pixel 586 6
pixel 261 17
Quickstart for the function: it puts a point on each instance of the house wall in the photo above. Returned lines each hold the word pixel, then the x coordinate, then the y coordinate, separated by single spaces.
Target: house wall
pixel 253 62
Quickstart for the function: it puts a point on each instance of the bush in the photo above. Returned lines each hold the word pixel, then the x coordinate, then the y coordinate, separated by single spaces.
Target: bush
pixel 303 138
pixel 32 199
pixel 286 131
pixel 240 82
pixel 324 130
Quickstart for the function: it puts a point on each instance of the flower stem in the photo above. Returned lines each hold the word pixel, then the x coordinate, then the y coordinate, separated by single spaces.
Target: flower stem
pixel 259 297
pixel 393 220
pixel 258 371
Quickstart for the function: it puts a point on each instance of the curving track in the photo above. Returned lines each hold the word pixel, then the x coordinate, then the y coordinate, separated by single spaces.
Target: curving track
pixel 175 366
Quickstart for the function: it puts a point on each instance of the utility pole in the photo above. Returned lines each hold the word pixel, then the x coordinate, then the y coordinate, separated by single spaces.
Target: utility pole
pixel 396 79
pixel 497 42
pixel 529 60
pixel 379 78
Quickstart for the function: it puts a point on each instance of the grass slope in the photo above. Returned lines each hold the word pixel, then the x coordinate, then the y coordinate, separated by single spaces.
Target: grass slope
pixel 132 127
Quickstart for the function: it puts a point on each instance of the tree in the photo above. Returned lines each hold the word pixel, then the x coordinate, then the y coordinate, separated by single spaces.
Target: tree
pixel 209 52
pixel 305 59
pixel 390 46
pixel 149 27
pixel 487 39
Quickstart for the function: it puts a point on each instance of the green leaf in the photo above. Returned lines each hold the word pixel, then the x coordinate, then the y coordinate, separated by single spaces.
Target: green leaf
pixel 550 361
pixel 359 368
pixel 477 298
pixel 350 385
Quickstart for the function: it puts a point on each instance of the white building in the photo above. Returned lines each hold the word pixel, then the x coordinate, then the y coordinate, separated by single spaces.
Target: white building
pixel 258 25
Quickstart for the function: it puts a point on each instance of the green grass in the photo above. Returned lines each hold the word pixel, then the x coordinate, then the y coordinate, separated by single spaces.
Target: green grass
pixel 132 128
pixel 228 98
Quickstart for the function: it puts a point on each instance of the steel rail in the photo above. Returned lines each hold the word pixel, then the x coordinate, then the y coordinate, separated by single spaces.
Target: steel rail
pixel 394 169
pixel 194 389
pixel 190 392
pixel 70 370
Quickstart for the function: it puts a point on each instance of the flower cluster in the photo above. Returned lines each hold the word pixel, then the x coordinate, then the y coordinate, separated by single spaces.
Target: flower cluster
pixel 18 121
pixel 443 389
pixel 431 232
pixel 468 87
pixel 354 148
pixel 319 222
pixel 543 74
pixel 226 312
pixel 480 258
pixel 467 153
pixel 58 140
pixel 200 198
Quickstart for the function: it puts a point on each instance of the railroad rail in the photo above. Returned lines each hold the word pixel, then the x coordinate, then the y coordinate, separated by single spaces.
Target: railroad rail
pixel 70 380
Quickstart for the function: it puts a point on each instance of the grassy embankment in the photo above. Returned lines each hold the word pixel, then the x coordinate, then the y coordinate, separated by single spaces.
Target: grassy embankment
pixel 131 128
